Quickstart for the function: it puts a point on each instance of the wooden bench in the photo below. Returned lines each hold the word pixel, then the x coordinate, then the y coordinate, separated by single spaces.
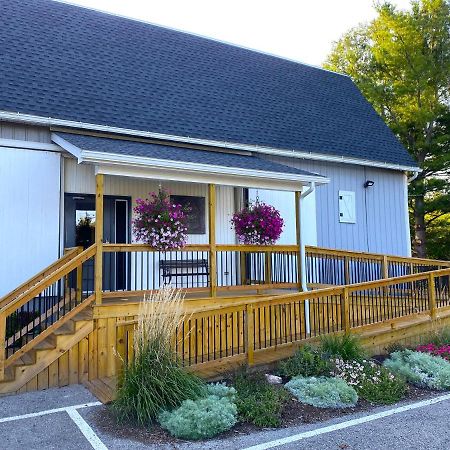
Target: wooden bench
pixel 170 268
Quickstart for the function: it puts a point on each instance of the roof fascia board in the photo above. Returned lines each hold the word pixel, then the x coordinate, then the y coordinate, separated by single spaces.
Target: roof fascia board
pixel 170 174
pixel 49 121
pixel 29 145
pixel 183 166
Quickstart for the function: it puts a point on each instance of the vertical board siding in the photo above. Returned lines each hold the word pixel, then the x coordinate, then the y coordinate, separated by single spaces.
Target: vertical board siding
pixel 381 214
pixel 80 179
pixel 29 213
pixel 9 130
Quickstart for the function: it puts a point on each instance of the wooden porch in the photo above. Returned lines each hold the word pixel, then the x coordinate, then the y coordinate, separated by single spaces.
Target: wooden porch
pixel 247 304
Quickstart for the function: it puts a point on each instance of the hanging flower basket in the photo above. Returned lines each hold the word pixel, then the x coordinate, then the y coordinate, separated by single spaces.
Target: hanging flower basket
pixel 160 223
pixel 258 224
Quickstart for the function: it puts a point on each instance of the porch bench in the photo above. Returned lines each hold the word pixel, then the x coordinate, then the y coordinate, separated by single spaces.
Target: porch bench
pixel 171 268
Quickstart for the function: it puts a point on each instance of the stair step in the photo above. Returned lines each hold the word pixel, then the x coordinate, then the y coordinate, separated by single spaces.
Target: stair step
pixel 27 359
pixel 48 343
pixel 66 328
pixel 103 388
pixel 85 314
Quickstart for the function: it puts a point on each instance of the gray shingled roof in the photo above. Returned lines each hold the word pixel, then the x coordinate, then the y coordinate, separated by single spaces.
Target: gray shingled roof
pixel 67 62
pixel 171 153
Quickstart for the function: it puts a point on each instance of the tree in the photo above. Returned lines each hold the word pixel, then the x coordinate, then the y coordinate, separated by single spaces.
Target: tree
pixel 401 63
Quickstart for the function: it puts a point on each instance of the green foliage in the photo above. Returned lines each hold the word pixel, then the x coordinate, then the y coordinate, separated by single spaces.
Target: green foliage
pixel 438 235
pixel 441 337
pixel 372 382
pixel 401 63
pixel 200 419
pixel 258 401
pixel 394 347
pixel 307 362
pixel 221 390
pixel 346 347
pixel 323 392
pixel 421 369
pixel 151 382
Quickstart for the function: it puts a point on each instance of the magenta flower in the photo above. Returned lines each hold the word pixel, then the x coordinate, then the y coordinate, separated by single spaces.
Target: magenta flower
pixel 159 223
pixel 258 224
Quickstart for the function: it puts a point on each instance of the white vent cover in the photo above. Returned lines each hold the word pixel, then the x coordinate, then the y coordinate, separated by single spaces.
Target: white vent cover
pixel 347 208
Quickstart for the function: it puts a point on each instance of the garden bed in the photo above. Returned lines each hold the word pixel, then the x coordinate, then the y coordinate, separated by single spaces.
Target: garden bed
pixel 294 413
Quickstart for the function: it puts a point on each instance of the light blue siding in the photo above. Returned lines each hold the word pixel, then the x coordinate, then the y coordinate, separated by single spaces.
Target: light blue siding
pixel 381 210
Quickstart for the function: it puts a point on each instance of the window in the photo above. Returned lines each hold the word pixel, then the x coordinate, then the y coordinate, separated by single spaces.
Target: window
pixel 347 208
pixel 196 214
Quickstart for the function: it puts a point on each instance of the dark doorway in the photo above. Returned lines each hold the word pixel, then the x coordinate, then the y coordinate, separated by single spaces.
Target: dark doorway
pixel 79 230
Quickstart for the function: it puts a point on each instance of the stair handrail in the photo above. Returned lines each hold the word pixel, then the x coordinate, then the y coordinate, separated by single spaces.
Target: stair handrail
pixel 70 265
pixel 26 285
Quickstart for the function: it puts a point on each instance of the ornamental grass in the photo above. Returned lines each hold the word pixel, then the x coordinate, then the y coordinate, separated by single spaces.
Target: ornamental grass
pixel 154 380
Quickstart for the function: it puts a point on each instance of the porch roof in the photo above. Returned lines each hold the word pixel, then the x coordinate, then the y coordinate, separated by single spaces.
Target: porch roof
pixel 114 156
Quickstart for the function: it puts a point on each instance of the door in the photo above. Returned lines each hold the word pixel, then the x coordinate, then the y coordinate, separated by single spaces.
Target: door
pixel 79 225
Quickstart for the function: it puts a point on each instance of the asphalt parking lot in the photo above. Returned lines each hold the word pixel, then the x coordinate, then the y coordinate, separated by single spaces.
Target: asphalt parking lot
pixel 64 419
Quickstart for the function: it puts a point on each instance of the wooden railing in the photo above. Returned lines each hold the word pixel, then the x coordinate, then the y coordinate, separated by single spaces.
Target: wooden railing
pixel 68 255
pixel 135 267
pixel 237 330
pixel 31 314
pixel 339 267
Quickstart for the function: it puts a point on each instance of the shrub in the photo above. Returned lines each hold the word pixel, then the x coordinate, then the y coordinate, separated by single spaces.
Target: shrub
pixel 372 382
pixel 421 369
pixel 200 419
pixel 346 347
pixel 154 380
pixel 441 337
pixel 258 401
pixel 221 390
pixel 323 392
pixel 306 362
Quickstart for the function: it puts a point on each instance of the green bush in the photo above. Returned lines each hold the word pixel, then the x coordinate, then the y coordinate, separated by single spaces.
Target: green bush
pixel 306 362
pixel 345 346
pixel 441 337
pixel 258 401
pixel 152 382
pixel 372 382
pixel 221 390
pixel 323 392
pixel 200 419
pixel 421 369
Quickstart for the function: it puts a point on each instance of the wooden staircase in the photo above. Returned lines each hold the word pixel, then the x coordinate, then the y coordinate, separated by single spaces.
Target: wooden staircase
pixel 62 337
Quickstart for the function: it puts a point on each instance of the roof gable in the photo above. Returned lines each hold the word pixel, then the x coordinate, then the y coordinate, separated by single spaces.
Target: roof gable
pixel 72 63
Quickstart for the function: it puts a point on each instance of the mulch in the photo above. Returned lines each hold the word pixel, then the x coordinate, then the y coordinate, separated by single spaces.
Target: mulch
pixel 295 413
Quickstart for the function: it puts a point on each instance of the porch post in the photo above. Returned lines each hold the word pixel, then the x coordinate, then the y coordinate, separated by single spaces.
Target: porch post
pixel 212 239
pixel 99 238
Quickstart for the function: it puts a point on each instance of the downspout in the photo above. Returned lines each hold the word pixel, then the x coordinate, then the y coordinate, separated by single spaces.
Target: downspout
pixel 412 177
pixel 303 283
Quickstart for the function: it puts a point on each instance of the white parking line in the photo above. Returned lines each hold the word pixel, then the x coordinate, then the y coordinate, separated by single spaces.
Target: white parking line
pixel 347 424
pixel 83 426
pixel 48 411
pixel 87 431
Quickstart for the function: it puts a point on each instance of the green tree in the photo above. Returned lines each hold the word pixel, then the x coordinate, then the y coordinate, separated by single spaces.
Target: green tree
pixel 401 63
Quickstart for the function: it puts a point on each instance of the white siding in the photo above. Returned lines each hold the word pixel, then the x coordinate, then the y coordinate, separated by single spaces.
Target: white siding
pixel 381 214
pixel 9 130
pixel 80 179
pixel 29 214
pixel 285 203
